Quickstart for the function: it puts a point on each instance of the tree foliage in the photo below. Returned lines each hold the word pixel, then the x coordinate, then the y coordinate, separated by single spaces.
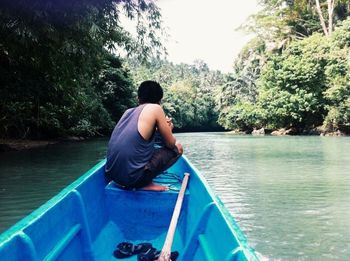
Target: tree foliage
pixel 280 20
pixel 301 75
pixel 190 91
pixel 240 89
pixel 337 74
pixel 292 85
pixel 59 75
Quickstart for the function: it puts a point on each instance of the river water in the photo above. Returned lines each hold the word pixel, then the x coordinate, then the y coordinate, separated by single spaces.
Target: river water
pixel 290 195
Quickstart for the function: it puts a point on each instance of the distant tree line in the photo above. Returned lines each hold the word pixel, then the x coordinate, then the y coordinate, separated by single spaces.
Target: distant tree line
pixel 190 91
pixel 295 73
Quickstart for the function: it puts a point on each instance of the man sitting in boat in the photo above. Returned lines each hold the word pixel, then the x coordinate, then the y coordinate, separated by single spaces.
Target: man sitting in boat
pixel 132 159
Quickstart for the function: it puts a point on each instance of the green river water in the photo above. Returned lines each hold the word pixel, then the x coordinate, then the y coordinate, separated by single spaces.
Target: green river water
pixel 290 195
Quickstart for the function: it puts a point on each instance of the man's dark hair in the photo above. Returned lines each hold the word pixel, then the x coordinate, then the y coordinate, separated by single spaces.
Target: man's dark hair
pixel 150 92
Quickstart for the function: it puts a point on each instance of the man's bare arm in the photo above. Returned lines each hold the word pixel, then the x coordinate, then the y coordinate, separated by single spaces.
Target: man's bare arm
pixel 164 128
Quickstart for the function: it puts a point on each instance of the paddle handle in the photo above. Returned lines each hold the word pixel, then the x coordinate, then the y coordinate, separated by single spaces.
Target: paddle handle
pixel 166 250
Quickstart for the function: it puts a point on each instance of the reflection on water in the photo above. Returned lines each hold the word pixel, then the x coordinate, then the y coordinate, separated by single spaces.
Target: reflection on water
pixel 290 195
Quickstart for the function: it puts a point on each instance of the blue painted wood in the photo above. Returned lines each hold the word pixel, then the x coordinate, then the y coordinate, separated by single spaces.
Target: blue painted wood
pixel 29 249
pixel 199 228
pixel 91 216
pixel 63 243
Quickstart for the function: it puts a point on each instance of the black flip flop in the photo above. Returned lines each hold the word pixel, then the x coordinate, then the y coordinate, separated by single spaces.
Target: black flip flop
pixel 126 249
pixel 153 254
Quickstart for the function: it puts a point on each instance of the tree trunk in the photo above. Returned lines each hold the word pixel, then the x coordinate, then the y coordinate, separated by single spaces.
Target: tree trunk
pixel 330 16
pixel 319 11
pixel 330 7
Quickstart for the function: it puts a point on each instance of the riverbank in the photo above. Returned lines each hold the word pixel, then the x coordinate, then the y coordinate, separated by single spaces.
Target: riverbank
pixel 293 132
pixel 24 144
pixel 17 145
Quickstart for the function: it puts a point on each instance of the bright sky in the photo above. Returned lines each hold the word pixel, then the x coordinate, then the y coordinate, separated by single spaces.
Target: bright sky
pixel 205 29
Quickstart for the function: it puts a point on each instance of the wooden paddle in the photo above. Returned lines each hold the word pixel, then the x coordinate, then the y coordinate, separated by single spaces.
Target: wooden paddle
pixel 166 250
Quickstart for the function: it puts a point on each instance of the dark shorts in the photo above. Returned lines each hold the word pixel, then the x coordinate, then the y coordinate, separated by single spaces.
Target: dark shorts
pixel 162 159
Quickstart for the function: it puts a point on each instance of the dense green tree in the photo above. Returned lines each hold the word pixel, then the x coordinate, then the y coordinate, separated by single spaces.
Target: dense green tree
pixel 240 88
pixel 190 91
pixel 115 91
pixel 295 72
pixel 53 53
pixel 292 85
pixel 337 74
pixel 280 21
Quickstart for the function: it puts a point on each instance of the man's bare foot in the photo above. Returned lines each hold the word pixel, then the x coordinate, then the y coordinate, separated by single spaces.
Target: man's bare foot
pixel 155 187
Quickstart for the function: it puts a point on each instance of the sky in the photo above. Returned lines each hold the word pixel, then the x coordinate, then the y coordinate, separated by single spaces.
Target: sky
pixel 206 30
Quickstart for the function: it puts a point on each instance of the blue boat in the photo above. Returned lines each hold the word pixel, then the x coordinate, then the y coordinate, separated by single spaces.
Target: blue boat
pixel 86 221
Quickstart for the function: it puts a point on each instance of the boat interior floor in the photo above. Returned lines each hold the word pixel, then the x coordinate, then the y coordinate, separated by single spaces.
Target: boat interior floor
pixel 111 236
pixel 139 216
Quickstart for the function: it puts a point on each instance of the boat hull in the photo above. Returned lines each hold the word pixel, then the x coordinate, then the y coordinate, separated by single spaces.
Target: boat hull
pixel 91 216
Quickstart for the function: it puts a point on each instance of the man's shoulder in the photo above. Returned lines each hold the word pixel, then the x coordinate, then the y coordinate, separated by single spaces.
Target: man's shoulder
pixel 153 107
pixel 152 112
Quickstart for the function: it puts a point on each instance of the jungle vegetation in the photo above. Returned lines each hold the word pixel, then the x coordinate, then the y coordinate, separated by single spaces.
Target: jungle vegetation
pixel 61 73
pixel 190 91
pixel 295 73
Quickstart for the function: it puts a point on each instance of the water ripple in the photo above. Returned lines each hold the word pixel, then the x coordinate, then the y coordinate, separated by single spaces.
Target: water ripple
pixel 290 195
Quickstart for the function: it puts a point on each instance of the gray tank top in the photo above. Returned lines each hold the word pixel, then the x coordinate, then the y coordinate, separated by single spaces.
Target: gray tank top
pixel 128 152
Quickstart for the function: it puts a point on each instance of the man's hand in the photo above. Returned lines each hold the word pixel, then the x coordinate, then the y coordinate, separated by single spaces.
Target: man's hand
pixel 170 122
pixel 179 148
